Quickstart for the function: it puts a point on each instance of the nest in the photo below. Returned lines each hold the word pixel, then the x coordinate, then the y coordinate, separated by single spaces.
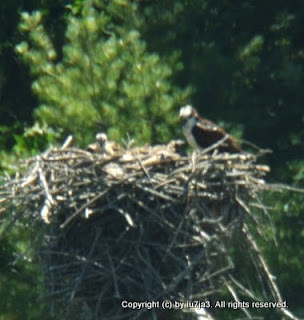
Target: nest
pixel 148 224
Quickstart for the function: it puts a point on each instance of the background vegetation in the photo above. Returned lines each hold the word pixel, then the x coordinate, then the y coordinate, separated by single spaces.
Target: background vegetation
pixel 80 67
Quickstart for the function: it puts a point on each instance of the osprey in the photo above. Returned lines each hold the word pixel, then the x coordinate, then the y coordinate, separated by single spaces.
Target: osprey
pixel 106 146
pixel 103 145
pixel 202 133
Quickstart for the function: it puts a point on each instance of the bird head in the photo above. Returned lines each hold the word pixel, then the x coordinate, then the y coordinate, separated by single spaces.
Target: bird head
pixel 186 113
pixel 101 138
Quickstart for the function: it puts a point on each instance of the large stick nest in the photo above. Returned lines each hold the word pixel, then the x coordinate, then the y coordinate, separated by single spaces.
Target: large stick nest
pixel 146 225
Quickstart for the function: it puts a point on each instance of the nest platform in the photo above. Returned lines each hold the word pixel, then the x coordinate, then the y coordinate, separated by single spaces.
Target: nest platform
pixel 148 224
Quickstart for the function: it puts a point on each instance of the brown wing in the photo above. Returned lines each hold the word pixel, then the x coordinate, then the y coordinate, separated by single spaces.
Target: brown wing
pixel 208 133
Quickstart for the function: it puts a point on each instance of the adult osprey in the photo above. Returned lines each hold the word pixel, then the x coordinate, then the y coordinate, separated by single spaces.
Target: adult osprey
pixel 202 133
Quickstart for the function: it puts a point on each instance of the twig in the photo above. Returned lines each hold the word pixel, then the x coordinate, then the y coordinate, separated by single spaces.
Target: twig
pixel 83 207
pixel 215 145
pixel 49 201
pixel 236 298
pixel 79 279
pixel 67 142
pixel 269 276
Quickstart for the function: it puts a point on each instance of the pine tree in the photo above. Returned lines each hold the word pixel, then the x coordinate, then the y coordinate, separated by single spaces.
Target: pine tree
pixel 106 80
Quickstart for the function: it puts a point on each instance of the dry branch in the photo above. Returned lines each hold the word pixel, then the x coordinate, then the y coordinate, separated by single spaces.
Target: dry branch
pixel 149 224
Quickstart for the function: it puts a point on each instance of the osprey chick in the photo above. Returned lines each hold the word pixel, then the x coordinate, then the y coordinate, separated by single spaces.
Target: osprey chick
pixel 103 145
pixel 106 146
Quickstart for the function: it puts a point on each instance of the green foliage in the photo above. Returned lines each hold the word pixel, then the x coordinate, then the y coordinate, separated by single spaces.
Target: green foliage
pixel 21 284
pixel 16 99
pixel 247 64
pixel 21 279
pixel 34 139
pixel 286 258
pixel 23 142
pixel 106 79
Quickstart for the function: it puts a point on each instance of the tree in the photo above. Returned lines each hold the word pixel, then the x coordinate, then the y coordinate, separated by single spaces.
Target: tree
pixel 106 80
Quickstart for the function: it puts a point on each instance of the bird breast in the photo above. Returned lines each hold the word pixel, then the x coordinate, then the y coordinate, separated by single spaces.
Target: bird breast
pixel 187 130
